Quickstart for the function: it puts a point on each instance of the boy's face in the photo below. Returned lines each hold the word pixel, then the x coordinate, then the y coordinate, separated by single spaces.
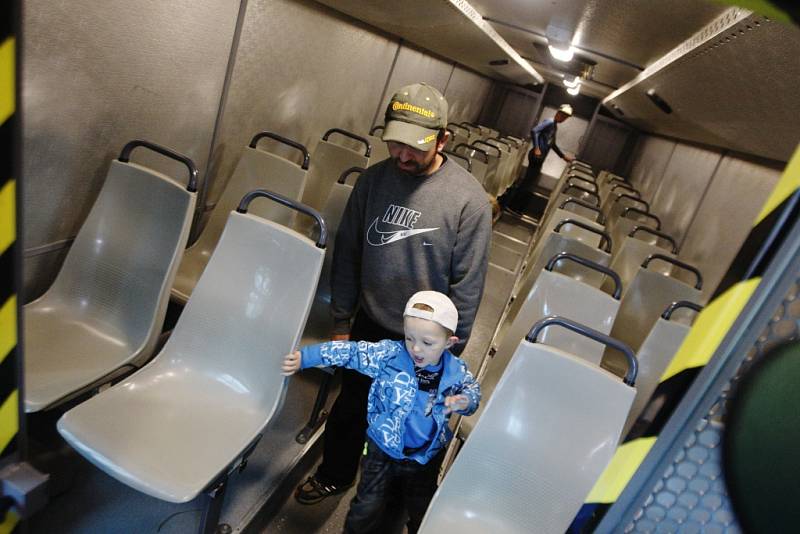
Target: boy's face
pixel 426 340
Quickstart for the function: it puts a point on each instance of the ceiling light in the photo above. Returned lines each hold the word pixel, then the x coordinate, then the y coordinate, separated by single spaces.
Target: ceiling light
pixel 574 90
pixel 562 54
pixel 575 82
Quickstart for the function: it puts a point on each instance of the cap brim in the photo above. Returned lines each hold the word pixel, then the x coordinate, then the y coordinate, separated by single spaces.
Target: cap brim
pixel 410 134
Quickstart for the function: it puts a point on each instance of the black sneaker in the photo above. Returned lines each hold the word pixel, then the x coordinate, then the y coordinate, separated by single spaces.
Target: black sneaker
pixel 313 491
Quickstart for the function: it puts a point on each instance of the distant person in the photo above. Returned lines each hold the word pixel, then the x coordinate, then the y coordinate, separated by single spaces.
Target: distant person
pixel 544 138
pixel 415 221
pixel 416 386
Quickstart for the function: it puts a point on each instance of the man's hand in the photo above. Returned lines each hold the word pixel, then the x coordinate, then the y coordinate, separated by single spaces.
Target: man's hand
pixel 340 337
pixel 537 152
pixel 455 403
pixel 291 363
pixel 569 158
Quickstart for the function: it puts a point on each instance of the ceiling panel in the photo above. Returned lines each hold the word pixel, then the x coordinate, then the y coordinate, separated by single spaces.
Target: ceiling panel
pixel 636 31
pixel 737 90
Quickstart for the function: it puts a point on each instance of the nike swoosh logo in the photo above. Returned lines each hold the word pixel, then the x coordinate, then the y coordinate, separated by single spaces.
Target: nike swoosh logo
pixel 377 238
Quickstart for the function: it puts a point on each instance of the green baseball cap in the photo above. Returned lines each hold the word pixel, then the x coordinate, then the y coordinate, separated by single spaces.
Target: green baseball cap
pixel 415 115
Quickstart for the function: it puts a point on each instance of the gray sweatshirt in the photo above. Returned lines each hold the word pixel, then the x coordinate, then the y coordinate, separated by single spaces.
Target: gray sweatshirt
pixel 401 234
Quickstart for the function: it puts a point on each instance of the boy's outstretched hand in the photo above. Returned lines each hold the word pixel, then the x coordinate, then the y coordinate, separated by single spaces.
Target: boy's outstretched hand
pixel 291 363
pixel 455 403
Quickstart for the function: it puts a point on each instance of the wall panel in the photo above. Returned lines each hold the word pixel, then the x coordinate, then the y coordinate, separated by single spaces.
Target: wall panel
pixel 98 74
pixel 738 190
pixel 301 69
pixel 685 180
pixel 652 155
pixel 466 94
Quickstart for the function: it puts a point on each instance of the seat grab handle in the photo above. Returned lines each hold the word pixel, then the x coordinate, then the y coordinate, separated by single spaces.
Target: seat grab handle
pixel 583 189
pixel 294 144
pixel 591 333
pixel 635 199
pixel 692 269
pixel 376 128
pixel 484 143
pixel 507 145
pixel 351 135
pixel 631 209
pixel 125 157
pixel 322 240
pixel 575 177
pixel 590 265
pixel 662 235
pixel 604 237
pixel 476 149
pixel 586 205
pixel 460 156
pixel 626 187
pixel 352 170
pixel 678 305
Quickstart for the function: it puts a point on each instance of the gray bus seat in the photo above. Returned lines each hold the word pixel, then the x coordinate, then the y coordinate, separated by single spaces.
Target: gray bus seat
pixel 577 202
pixel 631 218
pixel 380 151
pixel 617 203
pixel 555 293
pixel 461 159
pixel 104 312
pixel 458 135
pixel 506 162
pixel 174 427
pixel 615 188
pixel 328 162
pixel 256 168
pixel 655 355
pixel 545 436
pixel 629 257
pixel 479 160
pixel 493 179
pixel 581 233
pixel 320 322
pixel 645 298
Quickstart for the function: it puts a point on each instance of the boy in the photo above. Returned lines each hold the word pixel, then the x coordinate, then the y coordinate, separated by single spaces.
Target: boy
pixel 416 386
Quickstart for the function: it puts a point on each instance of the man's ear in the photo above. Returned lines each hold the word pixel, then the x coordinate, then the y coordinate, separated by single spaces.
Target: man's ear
pixel 441 140
pixel 452 340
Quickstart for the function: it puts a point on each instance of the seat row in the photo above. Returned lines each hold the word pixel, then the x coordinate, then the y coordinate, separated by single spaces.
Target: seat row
pixel 560 399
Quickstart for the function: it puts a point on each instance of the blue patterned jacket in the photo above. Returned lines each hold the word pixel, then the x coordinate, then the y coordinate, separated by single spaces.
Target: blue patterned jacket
pixel 394 387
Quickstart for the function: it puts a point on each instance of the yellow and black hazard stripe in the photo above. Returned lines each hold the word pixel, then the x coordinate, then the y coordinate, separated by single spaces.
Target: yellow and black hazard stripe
pixel 9 397
pixel 710 327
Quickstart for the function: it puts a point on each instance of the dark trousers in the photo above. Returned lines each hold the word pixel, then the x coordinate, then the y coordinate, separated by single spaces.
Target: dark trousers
pixel 346 427
pixel 381 477
pixel 515 197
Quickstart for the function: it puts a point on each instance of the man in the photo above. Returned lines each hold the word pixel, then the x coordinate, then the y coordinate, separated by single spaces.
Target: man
pixel 416 221
pixel 544 138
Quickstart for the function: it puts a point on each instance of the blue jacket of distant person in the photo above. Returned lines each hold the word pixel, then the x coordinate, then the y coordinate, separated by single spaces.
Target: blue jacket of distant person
pixel 544 137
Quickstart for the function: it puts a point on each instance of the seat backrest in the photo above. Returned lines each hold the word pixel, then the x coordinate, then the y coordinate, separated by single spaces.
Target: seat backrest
pixel 581 233
pixel 121 265
pixel 328 162
pixel 654 356
pixel 645 298
pixel 479 160
pixel 249 306
pixel 545 436
pixel 629 257
pixel 256 169
pixel 379 152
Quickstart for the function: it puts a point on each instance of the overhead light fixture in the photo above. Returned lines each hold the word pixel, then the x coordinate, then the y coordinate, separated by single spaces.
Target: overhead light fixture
pixel 574 83
pixel 574 90
pixel 562 54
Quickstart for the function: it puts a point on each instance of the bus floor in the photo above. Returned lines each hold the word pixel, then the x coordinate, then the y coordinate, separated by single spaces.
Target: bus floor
pixel 84 499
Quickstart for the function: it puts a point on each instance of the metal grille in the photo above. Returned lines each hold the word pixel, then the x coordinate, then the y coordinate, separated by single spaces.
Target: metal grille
pixel 691 496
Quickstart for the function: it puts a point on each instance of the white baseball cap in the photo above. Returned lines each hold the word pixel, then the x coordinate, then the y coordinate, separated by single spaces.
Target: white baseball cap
pixel 566 109
pixel 444 311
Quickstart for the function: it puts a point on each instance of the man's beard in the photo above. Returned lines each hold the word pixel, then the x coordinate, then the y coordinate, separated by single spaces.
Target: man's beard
pixel 415 168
